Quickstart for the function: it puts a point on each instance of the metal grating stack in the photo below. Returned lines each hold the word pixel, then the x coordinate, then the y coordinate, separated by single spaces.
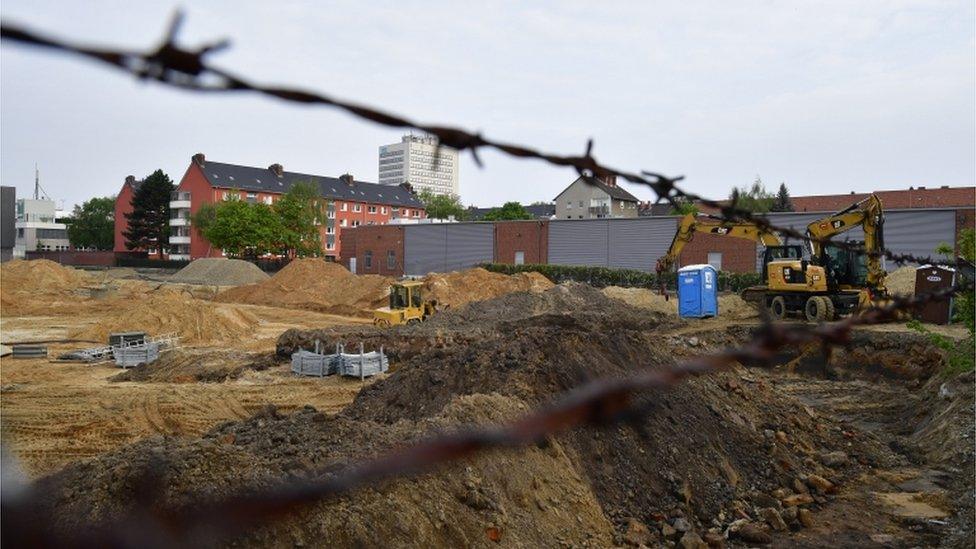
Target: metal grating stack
pixel 132 356
pixel 361 365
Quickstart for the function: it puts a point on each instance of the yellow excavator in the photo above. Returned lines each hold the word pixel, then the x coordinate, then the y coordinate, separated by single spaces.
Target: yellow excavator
pixel 834 281
pixel 407 305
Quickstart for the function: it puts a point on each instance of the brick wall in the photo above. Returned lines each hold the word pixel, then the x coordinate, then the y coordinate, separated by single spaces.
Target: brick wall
pixel 376 241
pixel 103 258
pixel 738 255
pixel 529 237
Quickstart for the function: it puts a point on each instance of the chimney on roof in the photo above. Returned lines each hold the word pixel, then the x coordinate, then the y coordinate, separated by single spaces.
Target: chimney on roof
pixel 921 188
pixel 407 187
pixel 608 179
pixel 199 158
pixel 945 187
pixel 277 169
pixel 346 178
pixel 130 180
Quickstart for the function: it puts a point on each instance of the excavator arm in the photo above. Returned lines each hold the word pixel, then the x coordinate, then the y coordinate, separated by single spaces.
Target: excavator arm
pixel 691 224
pixel 867 214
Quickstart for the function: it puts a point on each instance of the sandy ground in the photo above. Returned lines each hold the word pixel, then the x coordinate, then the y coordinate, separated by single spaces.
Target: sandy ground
pixel 57 413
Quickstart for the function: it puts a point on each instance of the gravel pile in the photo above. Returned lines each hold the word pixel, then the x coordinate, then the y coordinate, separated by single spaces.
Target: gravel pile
pixel 215 271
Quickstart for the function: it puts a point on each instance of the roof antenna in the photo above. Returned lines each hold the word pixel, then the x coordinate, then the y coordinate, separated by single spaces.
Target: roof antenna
pixel 37 181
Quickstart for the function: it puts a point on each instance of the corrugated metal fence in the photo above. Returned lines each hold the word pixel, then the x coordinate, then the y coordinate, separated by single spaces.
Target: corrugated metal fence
pixel 446 247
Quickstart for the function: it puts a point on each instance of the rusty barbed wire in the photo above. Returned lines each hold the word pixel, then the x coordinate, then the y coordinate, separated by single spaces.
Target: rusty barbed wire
pixel 189 69
pixel 600 403
pixel 595 404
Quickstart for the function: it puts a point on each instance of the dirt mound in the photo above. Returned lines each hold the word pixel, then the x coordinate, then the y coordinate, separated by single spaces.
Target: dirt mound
pixel 197 365
pixel 317 285
pixel 730 306
pixel 220 272
pixel 39 284
pixel 169 311
pixel 901 281
pixel 707 447
pixel 457 288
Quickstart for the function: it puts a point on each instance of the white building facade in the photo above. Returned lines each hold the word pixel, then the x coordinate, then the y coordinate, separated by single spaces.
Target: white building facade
pixel 419 161
pixel 37 229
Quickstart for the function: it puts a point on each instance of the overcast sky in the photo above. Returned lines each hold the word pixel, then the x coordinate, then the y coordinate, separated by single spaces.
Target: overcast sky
pixel 827 96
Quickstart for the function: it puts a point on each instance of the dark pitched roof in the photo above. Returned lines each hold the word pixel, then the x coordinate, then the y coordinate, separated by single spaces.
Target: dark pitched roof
pixel 539 211
pixel 246 178
pixel 614 191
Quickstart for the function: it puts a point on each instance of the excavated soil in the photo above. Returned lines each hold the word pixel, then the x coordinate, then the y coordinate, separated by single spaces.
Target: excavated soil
pixel 220 272
pixel 739 454
pixel 197 365
pixel 460 287
pixel 901 281
pixel 167 311
pixel 29 286
pixel 730 306
pixel 317 285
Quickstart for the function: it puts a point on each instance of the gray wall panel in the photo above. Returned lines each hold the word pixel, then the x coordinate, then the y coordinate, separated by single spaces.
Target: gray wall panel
pixel 469 244
pixel 638 243
pixel 424 247
pixel 580 242
pixel 918 232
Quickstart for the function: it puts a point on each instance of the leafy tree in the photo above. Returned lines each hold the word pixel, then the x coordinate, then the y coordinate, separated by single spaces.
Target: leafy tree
pixel 684 207
pixel 782 202
pixel 508 212
pixel 442 206
pixel 753 199
pixel 239 228
pixel 300 212
pixel 93 224
pixel 149 220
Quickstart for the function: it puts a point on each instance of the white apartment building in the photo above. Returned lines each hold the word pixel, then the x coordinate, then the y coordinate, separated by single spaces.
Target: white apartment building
pixel 417 160
pixel 37 229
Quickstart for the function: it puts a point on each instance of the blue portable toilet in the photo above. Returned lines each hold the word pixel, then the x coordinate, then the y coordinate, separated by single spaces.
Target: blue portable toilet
pixel 697 291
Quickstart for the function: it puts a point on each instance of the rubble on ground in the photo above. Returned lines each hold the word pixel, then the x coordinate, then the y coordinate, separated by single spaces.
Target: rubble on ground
pixel 218 271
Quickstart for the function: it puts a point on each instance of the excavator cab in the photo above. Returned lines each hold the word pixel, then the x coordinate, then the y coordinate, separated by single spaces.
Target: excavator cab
pixel 845 268
pixel 775 253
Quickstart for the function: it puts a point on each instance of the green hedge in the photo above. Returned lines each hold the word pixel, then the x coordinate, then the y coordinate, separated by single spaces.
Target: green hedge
pixel 628 278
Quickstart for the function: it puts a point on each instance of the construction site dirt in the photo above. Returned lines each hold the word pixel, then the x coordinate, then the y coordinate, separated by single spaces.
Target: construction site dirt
pixel 870 446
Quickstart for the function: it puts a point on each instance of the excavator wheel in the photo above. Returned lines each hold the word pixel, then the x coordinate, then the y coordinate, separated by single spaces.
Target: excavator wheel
pixel 777 308
pixel 815 309
pixel 830 312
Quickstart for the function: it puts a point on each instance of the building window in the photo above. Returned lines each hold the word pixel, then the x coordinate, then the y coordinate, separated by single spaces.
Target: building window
pixel 371 209
pixel 581 203
pixel 357 207
pixel 225 195
pixel 383 210
pixel 520 258
pixel 252 197
pixel 343 206
pixel 406 212
pixel 715 260
pixel 268 200
pixel 20 233
pixel 330 214
pixel 330 246
pixel 330 230
pixel 569 204
pixel 391 260
pixel 355 223
pixel 368 259
pixel 416 213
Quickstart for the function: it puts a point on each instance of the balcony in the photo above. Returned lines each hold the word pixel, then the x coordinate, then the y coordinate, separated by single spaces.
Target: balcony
pixel 599 210
pixel 179 200
pixel 179 257
pixel 179 221
pixel 179 239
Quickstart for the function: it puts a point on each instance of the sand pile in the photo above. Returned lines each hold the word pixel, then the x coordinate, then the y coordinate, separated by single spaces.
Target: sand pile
pixel 460 287
pixel 730 306
pixel 168 311
pixel 196 365
pixel 217 271
pixel 901 281
pixel 38 285
pixel 317 285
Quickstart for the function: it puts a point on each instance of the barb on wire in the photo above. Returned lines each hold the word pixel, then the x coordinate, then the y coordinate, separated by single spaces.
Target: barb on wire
pixel 598 403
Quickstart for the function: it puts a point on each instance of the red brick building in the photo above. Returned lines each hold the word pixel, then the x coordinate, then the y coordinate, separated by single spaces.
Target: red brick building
pixel 123 206
pixel 351 203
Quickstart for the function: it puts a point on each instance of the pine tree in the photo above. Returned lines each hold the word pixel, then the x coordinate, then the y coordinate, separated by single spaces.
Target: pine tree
pixel 149 220
pixel 782 202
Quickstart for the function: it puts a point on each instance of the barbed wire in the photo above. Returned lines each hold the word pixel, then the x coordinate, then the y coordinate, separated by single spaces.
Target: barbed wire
pixel 600 403
pixel 189 69
pixel 595 404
